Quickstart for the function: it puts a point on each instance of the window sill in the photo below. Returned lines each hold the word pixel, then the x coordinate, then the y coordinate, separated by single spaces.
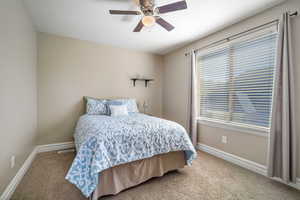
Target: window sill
pixel 264 132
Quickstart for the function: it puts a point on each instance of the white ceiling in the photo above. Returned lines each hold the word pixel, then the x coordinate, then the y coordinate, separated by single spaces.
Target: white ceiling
pixel 90 20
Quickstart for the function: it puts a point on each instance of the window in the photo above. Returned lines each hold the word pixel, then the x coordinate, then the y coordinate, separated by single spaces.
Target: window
pixel 236 81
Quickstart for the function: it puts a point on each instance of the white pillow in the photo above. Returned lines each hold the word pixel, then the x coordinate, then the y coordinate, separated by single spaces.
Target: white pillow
pixel 118 110
pixel 130 103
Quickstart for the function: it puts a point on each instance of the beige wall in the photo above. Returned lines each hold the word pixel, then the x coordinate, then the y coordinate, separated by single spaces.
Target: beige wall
pixel 175 89
pixel 18 97
pixel 69 69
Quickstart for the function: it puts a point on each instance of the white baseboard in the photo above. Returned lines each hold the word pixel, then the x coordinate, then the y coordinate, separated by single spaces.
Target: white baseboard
pixel 253 166
pixel 8 192
pixel 55 147
pixel 250 165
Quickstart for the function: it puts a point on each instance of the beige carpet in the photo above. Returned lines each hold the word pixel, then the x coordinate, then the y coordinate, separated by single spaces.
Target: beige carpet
pixel 209 178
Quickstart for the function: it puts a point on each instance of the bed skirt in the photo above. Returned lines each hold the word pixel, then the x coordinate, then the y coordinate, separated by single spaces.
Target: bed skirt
pixel 118 178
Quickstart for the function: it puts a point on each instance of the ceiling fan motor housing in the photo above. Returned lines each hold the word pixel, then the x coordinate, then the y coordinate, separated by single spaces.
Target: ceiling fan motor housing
pixel 147 7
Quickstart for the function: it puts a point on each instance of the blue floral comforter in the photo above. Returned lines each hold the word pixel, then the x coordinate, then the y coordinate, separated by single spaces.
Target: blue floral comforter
pixel 103 142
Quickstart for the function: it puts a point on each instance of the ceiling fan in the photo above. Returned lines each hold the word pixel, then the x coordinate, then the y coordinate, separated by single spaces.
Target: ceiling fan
pixel 151 13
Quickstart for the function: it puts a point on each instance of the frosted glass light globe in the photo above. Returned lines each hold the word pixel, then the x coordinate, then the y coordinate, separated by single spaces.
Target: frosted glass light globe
pixel 148 21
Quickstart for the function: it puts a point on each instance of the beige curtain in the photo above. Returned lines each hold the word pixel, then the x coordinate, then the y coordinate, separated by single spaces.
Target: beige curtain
pixel 192 100
pixel 282 144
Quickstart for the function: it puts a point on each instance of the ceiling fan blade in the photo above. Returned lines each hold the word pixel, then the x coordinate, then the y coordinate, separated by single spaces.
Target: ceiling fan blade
pixel 164 24
pixel 180 5
pixel 124 12
pixel 139 27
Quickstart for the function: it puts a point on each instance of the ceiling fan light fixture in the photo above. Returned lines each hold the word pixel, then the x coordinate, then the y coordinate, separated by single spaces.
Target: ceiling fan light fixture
pixel 137 2
pixel 148 21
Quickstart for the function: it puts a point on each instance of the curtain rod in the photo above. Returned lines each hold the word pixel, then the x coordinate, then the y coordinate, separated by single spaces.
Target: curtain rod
pixel 241 33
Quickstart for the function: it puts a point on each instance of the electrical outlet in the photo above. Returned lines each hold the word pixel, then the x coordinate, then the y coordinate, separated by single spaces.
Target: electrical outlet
pixel 224 139
pixel 12 161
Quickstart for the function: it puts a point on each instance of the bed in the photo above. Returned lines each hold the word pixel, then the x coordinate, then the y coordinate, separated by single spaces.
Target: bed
pixel 116 153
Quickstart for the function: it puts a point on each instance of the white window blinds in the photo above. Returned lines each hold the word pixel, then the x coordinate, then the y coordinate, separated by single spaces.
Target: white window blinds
pixel 236 81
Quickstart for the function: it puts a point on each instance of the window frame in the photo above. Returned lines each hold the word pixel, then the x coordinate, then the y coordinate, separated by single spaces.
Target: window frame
pixel 230 125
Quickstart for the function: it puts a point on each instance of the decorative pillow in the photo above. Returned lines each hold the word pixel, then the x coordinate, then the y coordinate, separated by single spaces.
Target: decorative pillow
pixel 130 103
pixel 96 107
pixel 118 110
